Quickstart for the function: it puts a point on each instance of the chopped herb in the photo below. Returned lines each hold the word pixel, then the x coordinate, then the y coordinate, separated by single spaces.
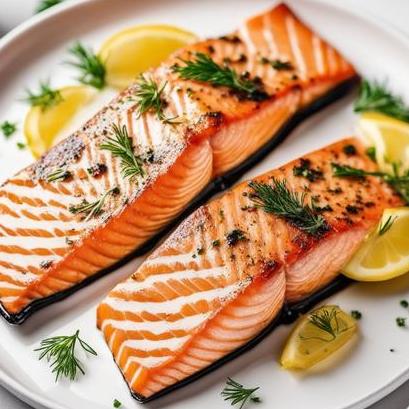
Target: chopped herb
pixel 282 202
pixel 387 225
pixel 349 150
pixel 46 4
pixel 401 322
pixel 97 169
pixel 149 98
pixel 281 65
pixel 120 145
pixel 204 69
pixel 60 350
pixel 356 315
pixel 375 96
pixel 216 243
pixel 21 145
pixel 8 128
pixel 404 304
pixel 59 175
pixel 117 403
pixel 326 321
pixel 304 169
pixel 45 98
pixel 238 394
pixel 371 153
pixel 352 209
pixel 94 208
pixel 235 236
pixel 92 68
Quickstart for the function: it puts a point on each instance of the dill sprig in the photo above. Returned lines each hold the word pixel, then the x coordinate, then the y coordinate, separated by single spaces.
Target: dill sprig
pixel 374 96
pixel 93 71
pixel 149 98
pixel 383 228
pixel 8 128
pixel 45 98
pixel 326 321
pixel 120 145
pixel 46 4
pixel 94 208
pixel 60 350
pixel 204 69
pixel 400 182
pixel 282 202
pixel 238 394
pixel 59 174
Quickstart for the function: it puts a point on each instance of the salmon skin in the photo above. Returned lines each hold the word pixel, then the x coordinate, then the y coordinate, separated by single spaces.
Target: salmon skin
pixel 227 273
pixel 52 245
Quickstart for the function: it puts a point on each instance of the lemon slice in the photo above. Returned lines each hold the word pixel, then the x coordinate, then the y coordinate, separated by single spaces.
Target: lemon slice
pixel 389 136
pixel 136 49
pixel 41 126
pixel 316 336
pixel 383 256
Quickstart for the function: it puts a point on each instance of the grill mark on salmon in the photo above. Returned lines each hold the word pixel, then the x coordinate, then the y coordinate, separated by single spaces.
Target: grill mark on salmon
pixel 207 295
pixel 218 131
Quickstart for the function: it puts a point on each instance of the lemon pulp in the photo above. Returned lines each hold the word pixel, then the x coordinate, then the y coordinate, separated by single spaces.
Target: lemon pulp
pixel 383 256
pixel 42 125
pixel 316 336
pixel 136 49
pixel 389 136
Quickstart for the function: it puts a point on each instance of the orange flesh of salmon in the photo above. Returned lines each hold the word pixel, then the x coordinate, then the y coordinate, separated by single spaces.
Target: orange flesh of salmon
pixel 197 298
pixel 45 249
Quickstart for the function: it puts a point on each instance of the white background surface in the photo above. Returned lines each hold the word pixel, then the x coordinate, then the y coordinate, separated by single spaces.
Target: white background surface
pixel 392 11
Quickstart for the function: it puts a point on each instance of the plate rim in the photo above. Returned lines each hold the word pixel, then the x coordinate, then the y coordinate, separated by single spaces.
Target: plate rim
pixel 41 20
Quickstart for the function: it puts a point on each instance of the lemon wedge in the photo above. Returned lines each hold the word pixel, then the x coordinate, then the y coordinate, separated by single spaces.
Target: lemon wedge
pixel 385 252
pixel 42 125
pixel 316 336
pixel 389 137
pixel 136 49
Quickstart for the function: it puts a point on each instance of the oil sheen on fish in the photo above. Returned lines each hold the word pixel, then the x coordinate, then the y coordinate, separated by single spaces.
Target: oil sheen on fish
pixel 50 239
pixel 223 276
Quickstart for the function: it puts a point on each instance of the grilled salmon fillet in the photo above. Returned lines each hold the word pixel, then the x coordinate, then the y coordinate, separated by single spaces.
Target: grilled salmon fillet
pixel 224 275
pixel 59 232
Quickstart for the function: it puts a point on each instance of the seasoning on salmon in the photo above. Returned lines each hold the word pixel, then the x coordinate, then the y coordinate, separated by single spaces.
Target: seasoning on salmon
pixel 118 181
pixel 178 314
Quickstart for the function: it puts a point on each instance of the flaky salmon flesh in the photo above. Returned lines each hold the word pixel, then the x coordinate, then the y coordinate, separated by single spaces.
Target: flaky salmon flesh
pixel 224 275
pixel 48 245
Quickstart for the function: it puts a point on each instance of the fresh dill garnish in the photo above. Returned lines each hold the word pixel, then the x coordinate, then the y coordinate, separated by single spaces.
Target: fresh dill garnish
pixel 45 98
pixel 238 394
pixel 116 404
pixel 400 182
pixel 291 206
pixel 401 322
pixel 59 174
pixel 356 315
pixel 46 4
pixel 120 145
pixel 204 69
pixel 386 226
pixel 326 321
pixel 94 208
pixel 60 350
pixel 375 96
pixel 149 98
pixel 21 145
pixel 93 71
pixel 8 128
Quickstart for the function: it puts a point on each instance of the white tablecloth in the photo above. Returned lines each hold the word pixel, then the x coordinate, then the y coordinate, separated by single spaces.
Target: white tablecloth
pixel 395 12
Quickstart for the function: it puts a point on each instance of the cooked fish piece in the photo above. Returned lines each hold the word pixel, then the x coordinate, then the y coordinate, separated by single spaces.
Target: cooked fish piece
pixel 81 208
pixel 224 275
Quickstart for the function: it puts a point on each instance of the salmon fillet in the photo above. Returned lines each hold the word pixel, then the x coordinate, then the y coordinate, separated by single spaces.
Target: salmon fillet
pixel 46 250
pixel 224 275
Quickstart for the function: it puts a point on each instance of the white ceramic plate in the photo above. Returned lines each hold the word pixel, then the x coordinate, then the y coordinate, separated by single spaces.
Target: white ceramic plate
pixel 357 377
